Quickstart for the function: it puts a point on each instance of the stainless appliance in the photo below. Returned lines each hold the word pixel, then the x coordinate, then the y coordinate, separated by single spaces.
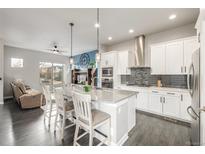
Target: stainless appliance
pixel 107 72
pixel 107 82
pixel 193 82
pixel 139 52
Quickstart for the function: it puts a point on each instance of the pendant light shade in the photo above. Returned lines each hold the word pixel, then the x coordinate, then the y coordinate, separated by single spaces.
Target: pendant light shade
pixel 98 56
pixel 71 61
pixel 71 43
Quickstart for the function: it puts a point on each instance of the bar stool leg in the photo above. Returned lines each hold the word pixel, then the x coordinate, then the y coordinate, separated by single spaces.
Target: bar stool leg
pixel 50 112
pixel 91 137
pixel 56 118
pixel 109 132
pixel 62 128
pixel 76 134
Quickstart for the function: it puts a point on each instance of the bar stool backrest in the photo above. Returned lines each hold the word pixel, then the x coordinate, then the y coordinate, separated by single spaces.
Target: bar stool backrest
pixel 82 106
pixel 47 93
pixel 59 98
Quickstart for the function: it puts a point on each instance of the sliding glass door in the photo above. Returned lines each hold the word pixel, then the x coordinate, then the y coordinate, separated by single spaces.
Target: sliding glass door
pixel 51 74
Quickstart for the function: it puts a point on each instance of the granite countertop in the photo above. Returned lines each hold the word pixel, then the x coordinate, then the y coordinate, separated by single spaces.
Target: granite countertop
pixel 110 95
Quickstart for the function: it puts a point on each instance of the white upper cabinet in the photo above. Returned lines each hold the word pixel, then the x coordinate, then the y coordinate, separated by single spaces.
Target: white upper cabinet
pixel 190 45
pixel 174 58
pixel 158 59
pixel 108 59
pixel 125 60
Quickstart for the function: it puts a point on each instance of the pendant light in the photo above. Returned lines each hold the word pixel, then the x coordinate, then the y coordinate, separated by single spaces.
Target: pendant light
pixel 97 25
pixel 71 43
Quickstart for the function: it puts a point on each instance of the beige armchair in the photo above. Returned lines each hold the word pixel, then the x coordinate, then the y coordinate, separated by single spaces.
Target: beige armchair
pixel 27 98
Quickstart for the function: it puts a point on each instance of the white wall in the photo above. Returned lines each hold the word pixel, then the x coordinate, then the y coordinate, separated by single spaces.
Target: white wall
pixel 172 34
pixel 1 70
pixel 30 72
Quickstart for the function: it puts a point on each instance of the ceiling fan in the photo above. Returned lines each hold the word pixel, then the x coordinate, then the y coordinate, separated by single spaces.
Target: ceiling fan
pixel 55 49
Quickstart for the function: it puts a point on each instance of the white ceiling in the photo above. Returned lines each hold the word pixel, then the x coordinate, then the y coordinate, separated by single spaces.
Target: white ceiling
pixel 38 28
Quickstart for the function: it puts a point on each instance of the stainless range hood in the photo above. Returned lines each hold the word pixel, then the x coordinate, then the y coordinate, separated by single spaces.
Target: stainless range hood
pixel 139 52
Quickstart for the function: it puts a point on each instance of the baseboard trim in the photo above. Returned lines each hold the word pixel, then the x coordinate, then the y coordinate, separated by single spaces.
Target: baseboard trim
pixel 170 119
pixel 8 97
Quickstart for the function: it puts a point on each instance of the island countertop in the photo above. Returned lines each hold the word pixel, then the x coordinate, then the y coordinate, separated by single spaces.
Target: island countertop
pixel 106 95
pixel 110 95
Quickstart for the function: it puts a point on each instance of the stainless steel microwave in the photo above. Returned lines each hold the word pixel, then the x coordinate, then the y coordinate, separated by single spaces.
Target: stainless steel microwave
pixel 107 72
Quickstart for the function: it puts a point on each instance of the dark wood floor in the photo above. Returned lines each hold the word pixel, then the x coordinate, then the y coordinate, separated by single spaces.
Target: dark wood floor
pixel 26 127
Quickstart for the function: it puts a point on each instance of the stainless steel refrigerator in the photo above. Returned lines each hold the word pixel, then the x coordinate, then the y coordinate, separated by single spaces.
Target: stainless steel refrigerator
pixel 193 82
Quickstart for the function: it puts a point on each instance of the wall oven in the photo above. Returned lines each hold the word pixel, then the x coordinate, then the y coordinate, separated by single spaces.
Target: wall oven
pixel 107 82
pixel 107 72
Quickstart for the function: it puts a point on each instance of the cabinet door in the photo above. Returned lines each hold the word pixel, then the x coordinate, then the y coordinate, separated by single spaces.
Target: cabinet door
pixel 121 120
pixel 122 62
pixel 158 59
pixel 131 112
pixel 171 105
pixel 190 45
pixel 103 60
pixel 142 101
pixel 111 59
pixel 185 102
pixel 174 58
pixel 108 60
pixel 155 104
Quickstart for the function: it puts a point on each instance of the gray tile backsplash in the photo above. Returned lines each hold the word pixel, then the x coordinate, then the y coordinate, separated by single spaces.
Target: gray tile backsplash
pixel 142 76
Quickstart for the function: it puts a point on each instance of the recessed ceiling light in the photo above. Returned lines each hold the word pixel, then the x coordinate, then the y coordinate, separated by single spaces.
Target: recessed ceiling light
pixel 131 31
pixel 109 38
pixel 97 25
pixel 172 16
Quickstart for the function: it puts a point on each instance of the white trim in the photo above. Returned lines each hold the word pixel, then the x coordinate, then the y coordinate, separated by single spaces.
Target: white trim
pixel 8 97
pixel 172 41
pixel 1 102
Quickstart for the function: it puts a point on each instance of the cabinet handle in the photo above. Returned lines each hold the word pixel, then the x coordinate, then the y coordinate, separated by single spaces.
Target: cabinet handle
pixel 164 99
pixel 155 91
pixel 185 69
pixel 171 93
pixel 160 99
pixel 181 69
pixel 182 97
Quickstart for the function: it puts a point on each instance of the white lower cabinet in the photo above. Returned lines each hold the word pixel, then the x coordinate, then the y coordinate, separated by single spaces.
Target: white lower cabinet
pixel 155 102
pixel 184 104
pixel 142 100
pixel 131 112
pixel 171 105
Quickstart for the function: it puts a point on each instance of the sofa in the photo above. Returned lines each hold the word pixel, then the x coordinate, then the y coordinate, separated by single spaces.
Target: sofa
pixel 26 97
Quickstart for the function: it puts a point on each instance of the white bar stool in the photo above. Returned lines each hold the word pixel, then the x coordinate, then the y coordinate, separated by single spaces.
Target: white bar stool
pixel 64 109
pixel 89 119
pixel 49 108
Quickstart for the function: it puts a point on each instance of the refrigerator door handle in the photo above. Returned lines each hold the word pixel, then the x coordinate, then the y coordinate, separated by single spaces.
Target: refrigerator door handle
pixel 188 79
pixel 188 111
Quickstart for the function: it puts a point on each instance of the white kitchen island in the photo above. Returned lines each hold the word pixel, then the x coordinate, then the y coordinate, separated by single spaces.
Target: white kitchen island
pixel 120 104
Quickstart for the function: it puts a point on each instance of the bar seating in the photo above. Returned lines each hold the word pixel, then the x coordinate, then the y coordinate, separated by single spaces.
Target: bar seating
pixel 89 119
pixel 64 111
pixel 49 108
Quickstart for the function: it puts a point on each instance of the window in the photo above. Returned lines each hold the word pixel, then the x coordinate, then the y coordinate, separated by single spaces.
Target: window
pixel 51 73
pixel 16 63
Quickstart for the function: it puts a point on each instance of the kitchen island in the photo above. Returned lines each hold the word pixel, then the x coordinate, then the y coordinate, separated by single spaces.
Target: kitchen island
pixel 120 104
